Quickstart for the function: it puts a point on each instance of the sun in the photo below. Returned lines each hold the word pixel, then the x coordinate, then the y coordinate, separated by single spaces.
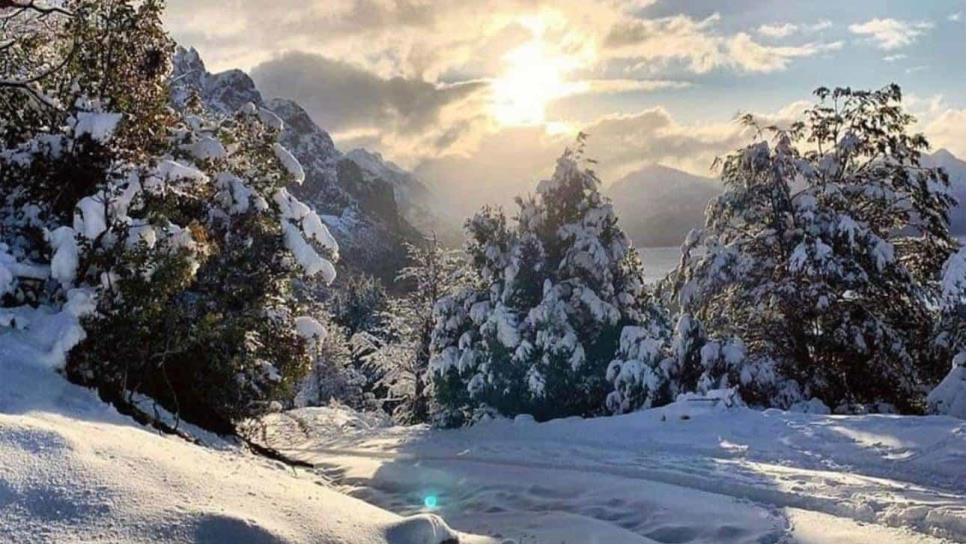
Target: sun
pixel 533 76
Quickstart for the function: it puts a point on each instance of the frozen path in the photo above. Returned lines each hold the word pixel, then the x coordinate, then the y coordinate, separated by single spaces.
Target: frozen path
pixel 685 473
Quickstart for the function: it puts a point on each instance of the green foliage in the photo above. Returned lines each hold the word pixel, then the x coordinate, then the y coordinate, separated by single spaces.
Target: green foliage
pixel 541 318
pixel 193 266
pixel 823 253
pixel 359 303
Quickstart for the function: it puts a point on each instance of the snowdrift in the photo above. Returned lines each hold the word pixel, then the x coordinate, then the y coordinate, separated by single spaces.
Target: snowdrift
pixel 696 471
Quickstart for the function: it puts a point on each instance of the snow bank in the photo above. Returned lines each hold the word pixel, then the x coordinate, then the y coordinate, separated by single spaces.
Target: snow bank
pixel 41 336
pixel 74 470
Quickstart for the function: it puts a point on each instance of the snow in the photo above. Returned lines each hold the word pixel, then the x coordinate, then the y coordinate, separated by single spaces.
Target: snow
pixel 309 226
pixel 74 470
pixel 310 261
pixel 310 329
pixel 63 265
pixel 90 218
pixel 99 126
pixel 11 269
pixel 290 163
pixel 701 470
pixel 269 119
pixel 206 148
pixel 954 277
pixel 949 397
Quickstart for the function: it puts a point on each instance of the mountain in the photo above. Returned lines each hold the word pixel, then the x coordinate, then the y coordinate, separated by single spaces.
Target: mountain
pixel 657 205
pixel 420 205
pixel 956 169
pixel 365 201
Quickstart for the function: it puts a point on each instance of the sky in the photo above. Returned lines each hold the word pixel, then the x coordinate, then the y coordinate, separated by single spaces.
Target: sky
pixel 482 95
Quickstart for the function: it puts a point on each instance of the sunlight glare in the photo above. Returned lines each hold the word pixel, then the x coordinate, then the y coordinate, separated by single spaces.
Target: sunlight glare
pixel 533 77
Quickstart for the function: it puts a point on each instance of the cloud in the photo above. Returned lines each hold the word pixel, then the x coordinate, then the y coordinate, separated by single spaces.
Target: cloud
pixel 778 30
pixel 889 34
pixel 509 162
pixel 948 130
pixel 783 30
pixel 696 43
pixel 614 86
pixel 754 57
pixel 342 96
pixel 411 38
pixel 956 17
pixel 894 58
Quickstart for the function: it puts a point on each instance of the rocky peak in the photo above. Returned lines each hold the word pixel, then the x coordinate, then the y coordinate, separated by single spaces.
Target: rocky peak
pixel 223 92
pixel 359 206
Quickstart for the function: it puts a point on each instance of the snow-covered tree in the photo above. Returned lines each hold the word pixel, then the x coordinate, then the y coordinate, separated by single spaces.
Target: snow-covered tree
pixel 332 376
pixel 821 256
pixel 360 303
pixel 537 330
pixel 179 222
pixel 949 397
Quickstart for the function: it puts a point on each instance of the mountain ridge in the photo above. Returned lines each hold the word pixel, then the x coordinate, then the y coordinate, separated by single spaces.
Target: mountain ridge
pixel 359 205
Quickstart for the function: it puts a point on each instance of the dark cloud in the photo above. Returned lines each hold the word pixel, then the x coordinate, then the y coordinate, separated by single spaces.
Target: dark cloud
pixel 341 96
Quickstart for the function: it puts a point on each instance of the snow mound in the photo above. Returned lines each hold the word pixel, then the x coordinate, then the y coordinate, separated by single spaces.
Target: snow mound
pixel 949 397
pixel 74 470
pixel 422 529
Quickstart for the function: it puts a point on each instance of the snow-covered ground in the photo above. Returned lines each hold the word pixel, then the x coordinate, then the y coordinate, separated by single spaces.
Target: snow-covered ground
pixel 690 472
pixel 73 470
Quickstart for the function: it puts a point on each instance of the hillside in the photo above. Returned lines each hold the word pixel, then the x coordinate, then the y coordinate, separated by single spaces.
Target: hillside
pixel 74 470
pixel 956 169
pixel 657 205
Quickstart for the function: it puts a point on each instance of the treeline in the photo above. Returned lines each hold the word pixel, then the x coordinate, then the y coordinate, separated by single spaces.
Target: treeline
pixel 825 277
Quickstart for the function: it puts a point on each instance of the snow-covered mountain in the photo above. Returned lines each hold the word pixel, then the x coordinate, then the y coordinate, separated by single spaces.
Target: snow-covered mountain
pixel 365 201
pixel 657 205
pixel 421 207
pixel 956 168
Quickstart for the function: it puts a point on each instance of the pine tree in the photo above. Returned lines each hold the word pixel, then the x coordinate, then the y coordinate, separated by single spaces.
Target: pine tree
pixel 949 397
pixel 178 222
pixel 821 255
pixel 536 331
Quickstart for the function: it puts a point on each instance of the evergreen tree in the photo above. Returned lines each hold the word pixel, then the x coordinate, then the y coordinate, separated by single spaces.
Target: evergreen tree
pixel 360 304
pixel 542 320
pixel 821 257
pixel 949 397
pixel 177 222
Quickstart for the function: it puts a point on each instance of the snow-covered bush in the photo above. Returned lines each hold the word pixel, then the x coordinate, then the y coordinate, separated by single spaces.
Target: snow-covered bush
pixel 180 222
pixel 543 320
pixel 821 256
pixel 949 397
